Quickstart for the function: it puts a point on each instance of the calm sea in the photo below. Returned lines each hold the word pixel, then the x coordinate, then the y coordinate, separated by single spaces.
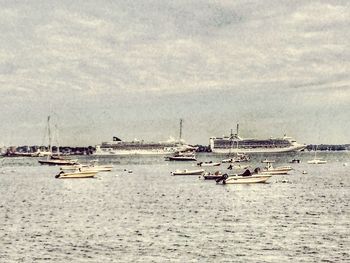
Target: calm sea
pixel 150 216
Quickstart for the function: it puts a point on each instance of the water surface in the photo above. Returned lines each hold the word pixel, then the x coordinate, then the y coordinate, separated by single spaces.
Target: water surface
pixel 150 216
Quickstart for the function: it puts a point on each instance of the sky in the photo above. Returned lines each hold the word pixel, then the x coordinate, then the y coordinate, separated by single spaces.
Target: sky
pixel 132 69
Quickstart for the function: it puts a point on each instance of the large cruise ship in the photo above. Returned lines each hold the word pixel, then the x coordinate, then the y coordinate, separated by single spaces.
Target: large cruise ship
pixel 119 147
pixel 237 144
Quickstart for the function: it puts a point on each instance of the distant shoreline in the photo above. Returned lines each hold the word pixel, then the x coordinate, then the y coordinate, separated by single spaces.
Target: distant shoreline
pixel 88 150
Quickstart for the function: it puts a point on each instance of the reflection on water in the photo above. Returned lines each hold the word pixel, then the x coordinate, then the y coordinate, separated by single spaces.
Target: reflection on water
pixel 150 216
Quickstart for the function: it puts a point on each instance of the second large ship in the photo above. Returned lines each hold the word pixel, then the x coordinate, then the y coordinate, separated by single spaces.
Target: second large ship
pixel 236 144
pixel 135 147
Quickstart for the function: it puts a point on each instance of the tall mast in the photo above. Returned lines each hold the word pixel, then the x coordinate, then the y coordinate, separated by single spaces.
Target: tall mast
pixel 181 121
pixel 237 129
pixel 49 132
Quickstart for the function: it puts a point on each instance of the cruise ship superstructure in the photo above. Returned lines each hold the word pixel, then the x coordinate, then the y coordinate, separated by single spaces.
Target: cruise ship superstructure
pixel 236 144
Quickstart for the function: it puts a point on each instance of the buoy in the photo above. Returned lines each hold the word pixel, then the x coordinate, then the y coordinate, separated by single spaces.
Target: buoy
pixel 130 171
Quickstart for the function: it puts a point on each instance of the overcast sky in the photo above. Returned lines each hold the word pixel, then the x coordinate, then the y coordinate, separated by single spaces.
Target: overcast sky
pixel 132 69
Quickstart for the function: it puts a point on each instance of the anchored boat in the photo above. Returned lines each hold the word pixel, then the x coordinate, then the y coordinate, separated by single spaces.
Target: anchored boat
pixel 188 172
pixel 76 174
pixel 246 178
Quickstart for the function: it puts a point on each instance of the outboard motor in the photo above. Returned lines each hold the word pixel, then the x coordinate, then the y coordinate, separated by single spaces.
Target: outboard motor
pixel 222 178
pixel 59 174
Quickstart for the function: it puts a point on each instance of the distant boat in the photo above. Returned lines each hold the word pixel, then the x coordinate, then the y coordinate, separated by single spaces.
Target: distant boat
pixel 181 158
pixel 214 176
pixel 76 175
pixel 188 172
pixel 84 167
pixel 316 160
pixel 54 159
pixel 203 164
pixel 187 155
pixel 58 162
pixel 269 169
pixel 245 178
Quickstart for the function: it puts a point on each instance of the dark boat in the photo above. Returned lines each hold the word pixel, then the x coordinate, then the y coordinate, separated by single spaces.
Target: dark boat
pixel 181 158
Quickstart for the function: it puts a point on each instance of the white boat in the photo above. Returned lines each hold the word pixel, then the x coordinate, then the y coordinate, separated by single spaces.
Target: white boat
pixel 246 178
pixel 76 175
pixel 84 167
pixel 269 169
pixel 252 179
pixel 188 172
pixel 58 162
pixel 208 164
pixel 316 160
pixel 273 172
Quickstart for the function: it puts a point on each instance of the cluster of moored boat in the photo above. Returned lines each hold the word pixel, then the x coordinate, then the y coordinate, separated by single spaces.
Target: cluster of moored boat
pixel 82 171
pixel 246 176
pixel 72 169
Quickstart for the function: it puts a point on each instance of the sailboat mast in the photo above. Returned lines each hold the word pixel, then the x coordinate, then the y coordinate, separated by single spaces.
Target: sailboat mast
pixel 180 135
pixel 49 133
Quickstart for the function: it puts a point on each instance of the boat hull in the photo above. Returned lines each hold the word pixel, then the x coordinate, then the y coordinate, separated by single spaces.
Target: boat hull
pixel 183 158
pixel 186 172
pixel 253 179
pixel 57 162
pixel 258 150
pixel 76 175
pixel 273 172
pixel 209 164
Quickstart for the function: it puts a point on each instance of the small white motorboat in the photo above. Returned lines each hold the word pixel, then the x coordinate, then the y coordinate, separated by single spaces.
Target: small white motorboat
pixel 317 161
pixel 212 176
pixel 58 162
pixel 83 167
pixel 76 174
pixel 188 172
pixel 245 178
pixel 269 169
pixel 208 164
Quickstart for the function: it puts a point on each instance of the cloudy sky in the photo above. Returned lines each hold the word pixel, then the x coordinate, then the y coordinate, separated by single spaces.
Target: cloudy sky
pixel 132 69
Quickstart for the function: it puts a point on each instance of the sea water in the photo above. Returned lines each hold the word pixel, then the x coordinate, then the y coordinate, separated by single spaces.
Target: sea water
pixel 140 213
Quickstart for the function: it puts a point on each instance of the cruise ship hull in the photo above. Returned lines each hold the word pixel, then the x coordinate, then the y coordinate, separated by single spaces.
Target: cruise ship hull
pixel 258 150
